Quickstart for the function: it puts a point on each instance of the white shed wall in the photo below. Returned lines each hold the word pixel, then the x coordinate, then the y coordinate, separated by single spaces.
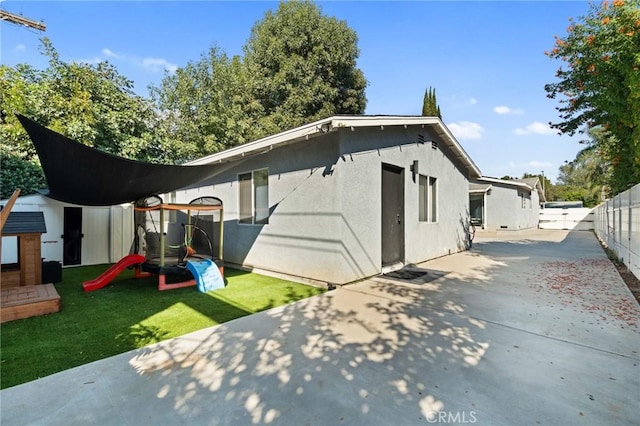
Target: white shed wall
pixel 108 231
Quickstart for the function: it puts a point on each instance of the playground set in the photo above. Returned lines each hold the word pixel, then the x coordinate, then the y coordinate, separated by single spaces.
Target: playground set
pixel 183 241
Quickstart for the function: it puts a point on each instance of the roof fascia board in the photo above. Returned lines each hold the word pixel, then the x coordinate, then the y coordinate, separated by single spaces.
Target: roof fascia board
pixel 506 182
pixel 480 190
pixel 337 122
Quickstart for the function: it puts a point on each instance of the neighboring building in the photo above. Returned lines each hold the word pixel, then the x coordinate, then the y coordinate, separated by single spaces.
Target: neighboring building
pixel 76 235
pixel 342 198
pixel 497 204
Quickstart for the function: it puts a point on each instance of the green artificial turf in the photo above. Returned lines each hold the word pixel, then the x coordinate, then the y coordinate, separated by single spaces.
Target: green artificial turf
pixel 127 314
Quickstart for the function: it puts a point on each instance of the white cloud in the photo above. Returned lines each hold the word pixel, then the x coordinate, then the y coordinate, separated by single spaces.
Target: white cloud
pixel 502 110
pixel 110 53
pixel 473 101
pixel 158 64
pixel 21 48
pixel 537 128
pixel 94 60
pixel 466 130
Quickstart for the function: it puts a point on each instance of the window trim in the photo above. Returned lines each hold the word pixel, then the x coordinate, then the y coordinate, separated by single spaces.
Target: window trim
pixel 427 208
pixel 253 222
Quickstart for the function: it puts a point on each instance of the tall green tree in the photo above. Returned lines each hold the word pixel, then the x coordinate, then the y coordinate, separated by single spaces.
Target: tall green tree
pixel 303 67
pixel 298 66
pixel 430 107
pixel 600 86
pixel 203 104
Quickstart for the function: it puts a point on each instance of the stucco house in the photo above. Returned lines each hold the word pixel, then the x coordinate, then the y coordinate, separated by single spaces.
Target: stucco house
pixel 498 204
pixel 342 198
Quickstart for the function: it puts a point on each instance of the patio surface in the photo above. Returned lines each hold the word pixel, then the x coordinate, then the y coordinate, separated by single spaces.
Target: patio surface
pixel 529 327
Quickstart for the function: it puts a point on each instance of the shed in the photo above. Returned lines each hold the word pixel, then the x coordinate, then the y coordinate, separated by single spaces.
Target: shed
pixel 76 235
pixel 342 198
pixel 499 204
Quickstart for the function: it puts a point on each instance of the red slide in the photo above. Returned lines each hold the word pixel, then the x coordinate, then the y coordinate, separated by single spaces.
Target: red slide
pixel 108 275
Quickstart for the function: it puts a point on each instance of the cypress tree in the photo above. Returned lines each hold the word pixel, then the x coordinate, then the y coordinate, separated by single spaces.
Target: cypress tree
pixel 430 106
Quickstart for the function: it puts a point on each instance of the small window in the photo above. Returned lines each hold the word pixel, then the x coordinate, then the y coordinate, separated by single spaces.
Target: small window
pixel 433 199
pixel 427 199
pixel 253 197
pixel 423 198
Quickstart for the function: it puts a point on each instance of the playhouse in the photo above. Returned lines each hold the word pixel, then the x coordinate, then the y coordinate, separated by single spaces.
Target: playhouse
pixel 22 292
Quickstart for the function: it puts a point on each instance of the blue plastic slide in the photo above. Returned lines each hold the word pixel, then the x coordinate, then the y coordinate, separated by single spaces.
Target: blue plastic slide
pixel 206 274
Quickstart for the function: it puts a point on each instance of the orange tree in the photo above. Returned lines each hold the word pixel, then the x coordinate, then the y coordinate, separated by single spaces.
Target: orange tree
pixel 599 84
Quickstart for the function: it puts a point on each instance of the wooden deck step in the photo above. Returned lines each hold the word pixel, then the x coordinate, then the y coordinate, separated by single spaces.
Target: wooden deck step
pixel 28 301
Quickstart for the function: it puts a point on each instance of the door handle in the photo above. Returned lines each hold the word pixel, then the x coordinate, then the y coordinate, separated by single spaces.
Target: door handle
pixel 398 218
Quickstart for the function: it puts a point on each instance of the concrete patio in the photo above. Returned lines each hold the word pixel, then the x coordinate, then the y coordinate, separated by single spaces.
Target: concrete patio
pixel 526 328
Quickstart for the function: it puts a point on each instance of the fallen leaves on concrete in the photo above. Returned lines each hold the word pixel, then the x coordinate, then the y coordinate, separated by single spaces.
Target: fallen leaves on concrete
pixel 591 286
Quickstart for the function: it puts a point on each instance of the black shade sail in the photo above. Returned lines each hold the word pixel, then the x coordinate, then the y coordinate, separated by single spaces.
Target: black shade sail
pixel 82 175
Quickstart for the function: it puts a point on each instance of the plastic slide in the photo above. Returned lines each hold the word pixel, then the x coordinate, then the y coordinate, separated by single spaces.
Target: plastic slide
pixel 108 275
pixel 206 274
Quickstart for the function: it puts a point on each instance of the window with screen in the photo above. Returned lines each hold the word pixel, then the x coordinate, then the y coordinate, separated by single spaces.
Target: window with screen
pixel 427 199
pixel 253 197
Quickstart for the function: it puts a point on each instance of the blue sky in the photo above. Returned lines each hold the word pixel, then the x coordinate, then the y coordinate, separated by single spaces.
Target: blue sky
pixel 485 59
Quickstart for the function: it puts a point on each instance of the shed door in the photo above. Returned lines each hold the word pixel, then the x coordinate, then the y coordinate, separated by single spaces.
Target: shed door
pixel 392 214
pixel 72 237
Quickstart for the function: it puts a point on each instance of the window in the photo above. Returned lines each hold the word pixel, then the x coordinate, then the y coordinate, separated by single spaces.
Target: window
pixel 423 197
pixel 253 197
pixel 427 199
pixel 433 199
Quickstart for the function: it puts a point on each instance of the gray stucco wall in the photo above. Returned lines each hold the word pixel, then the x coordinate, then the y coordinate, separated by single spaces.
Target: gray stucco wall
pixel 360 176
pixel 504 208
pixel 325 199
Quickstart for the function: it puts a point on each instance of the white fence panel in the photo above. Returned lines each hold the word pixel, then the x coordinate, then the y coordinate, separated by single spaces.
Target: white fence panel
pixel 617 224
pixel 576 219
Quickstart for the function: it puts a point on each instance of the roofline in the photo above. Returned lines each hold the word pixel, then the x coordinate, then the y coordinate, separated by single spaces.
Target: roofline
pixel 506 182
pixel 480 191
pixel 335 123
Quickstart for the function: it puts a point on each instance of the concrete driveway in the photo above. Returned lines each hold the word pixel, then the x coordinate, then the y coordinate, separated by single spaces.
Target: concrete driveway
pixel 526 328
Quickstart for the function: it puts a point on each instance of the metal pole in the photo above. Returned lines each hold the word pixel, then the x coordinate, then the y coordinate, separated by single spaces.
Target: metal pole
pixel 161 237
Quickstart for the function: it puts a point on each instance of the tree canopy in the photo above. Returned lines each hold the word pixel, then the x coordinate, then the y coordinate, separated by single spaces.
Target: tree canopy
pixel 298 66
pixel 600 86
pixel 303 66
pixel 91 103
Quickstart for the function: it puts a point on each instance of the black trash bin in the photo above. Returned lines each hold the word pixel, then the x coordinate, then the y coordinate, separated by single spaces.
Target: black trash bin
pixel 51 272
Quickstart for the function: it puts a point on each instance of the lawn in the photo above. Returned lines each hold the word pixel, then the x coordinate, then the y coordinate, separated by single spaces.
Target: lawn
pixel 127 314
